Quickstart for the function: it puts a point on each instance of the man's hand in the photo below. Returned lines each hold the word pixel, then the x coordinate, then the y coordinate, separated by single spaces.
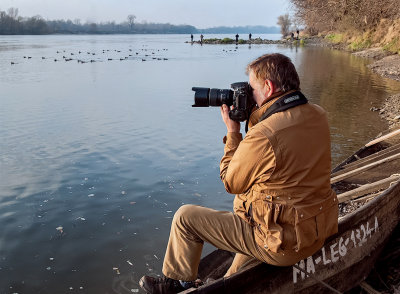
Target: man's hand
pixel 231 125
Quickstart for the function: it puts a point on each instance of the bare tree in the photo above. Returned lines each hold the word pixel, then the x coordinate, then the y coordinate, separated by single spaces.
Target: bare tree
pixel 13 12
pixel 284 22
pixel 344 15
pixel 131 20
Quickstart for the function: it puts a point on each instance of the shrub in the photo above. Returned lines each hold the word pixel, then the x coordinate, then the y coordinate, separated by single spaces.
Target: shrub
pixel 359 45
pixel 334 38
pixel 226 40
pixel 393 46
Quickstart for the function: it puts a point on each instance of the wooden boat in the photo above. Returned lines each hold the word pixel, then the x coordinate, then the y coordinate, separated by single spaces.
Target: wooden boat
pixel 370 175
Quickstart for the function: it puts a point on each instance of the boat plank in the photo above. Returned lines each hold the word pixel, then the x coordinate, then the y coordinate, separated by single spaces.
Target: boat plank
pixel 371 175
pixel 384 137
pixel 338 178
pixel 370 158
pixel 368 188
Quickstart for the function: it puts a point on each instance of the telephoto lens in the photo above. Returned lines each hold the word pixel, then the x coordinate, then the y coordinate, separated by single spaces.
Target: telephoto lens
pixel 240 97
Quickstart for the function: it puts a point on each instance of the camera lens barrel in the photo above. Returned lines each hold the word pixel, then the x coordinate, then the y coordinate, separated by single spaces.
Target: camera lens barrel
pixel 221 96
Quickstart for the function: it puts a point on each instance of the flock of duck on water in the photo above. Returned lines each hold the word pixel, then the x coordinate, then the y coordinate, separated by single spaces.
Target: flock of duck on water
pixel 149 54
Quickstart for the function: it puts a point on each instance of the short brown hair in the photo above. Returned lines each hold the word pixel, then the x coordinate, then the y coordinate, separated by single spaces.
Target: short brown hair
pixel 278 68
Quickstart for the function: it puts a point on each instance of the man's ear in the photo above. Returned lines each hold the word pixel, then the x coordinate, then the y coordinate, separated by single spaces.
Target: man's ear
pixel 269 88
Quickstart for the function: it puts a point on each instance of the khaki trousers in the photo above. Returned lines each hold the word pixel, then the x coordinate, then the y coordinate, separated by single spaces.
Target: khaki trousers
pixel 193 225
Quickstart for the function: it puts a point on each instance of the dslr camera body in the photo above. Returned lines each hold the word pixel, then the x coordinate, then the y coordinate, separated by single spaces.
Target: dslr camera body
pixel 240 96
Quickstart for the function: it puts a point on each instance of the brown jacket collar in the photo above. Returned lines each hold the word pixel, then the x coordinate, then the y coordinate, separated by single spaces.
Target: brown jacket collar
pixel 258 112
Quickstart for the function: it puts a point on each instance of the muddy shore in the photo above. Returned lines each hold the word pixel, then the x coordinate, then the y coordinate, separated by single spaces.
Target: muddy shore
pixel 388 66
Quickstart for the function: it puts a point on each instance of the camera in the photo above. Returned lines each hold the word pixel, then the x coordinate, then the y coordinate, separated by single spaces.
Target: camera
pixel 241 97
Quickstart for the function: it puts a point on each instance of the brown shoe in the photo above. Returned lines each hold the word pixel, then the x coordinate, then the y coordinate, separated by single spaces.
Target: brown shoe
pixel 161 285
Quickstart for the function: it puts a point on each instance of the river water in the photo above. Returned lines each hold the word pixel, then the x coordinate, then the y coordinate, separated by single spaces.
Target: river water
pixel 96 157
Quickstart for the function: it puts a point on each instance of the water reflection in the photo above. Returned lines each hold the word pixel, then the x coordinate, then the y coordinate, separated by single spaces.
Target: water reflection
pixel 109 150
pixel 347 89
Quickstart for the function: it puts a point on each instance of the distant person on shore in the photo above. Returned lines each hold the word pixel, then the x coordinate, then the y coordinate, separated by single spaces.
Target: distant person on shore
pixel 191 37
pixel 201 39
pixel 237 38
pixel 292 36
pixel 250 37
pixel 297 34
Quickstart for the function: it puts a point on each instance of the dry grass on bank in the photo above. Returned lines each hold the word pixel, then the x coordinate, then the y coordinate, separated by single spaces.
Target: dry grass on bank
pixel 385 35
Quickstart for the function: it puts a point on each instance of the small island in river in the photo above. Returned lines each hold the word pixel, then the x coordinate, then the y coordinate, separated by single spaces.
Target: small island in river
pixel 229 41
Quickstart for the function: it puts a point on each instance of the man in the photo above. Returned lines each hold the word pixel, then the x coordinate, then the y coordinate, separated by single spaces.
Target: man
pixel 284 208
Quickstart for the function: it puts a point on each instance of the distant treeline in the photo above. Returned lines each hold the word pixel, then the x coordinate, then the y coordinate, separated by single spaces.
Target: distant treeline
pixel 13 24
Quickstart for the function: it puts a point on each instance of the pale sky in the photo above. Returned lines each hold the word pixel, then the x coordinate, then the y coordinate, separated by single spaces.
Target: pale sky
pixel 199 13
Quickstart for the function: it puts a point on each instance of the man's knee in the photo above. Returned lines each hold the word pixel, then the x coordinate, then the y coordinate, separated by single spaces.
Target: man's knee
pixel 184 213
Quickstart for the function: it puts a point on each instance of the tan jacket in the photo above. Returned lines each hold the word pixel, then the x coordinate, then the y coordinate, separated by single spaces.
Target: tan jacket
pixel 280 172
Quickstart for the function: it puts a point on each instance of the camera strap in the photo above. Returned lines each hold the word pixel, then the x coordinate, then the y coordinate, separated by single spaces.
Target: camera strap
pixel 285 102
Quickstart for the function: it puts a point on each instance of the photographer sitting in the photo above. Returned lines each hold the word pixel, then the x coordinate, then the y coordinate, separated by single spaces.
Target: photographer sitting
pixel 284 208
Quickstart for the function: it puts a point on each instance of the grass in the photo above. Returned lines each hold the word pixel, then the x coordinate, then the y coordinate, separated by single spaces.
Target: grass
pixel 226 41
pixel 211 40
pixel 334 38
pixel 393 46
pixel 360 44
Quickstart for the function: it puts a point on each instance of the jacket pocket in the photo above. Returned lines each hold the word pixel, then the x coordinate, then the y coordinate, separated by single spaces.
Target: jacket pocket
pixel 269 232
pixel 307 231
pixel 315 222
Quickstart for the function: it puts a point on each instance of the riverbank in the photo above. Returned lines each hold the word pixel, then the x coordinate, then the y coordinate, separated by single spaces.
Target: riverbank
pixel 387 65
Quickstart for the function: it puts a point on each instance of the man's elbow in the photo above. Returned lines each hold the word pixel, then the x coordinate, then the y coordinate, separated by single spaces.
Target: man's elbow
pixel 231 188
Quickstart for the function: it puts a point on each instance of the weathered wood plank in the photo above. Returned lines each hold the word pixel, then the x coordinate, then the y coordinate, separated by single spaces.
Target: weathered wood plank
pixel 370 158
pixel 368 288
pixel 382 138
pixel 368 188
pixel 363 168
